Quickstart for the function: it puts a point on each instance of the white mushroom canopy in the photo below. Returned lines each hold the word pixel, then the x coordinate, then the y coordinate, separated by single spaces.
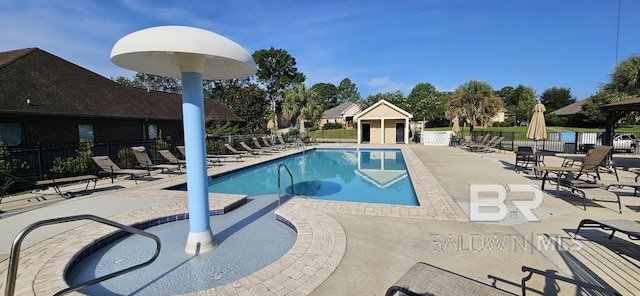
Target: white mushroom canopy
pixel 171 50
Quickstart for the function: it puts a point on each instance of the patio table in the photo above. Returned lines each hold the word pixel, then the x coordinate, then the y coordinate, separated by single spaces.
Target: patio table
pixel 539 158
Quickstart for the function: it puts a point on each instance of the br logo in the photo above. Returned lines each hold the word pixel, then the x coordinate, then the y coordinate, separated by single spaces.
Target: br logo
pixel 487 202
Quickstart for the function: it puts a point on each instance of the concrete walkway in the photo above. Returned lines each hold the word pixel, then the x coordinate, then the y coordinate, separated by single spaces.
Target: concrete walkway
pixel 373 245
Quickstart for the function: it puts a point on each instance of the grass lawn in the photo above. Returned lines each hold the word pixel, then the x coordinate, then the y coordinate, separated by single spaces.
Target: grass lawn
pixel 334 134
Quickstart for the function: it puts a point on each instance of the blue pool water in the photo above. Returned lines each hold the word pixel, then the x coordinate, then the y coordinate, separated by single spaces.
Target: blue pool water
pixel 360 175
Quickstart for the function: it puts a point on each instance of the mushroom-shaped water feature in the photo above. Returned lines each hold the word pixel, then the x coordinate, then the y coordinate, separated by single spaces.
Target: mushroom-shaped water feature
pixel 191 54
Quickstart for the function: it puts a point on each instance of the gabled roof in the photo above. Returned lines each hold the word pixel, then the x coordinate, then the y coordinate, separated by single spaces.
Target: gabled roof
pixel 374 106
pixel 337 111
pixel 56 87
pixel 570 109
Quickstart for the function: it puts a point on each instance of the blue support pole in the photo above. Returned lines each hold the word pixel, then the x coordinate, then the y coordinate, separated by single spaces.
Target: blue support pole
pixel 200 237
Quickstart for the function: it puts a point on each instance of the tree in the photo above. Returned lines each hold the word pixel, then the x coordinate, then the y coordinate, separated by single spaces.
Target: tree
pixel 396 98
pixel 624 85
pixel 625 79
pixel 276 71
pixel 152 82
pixel 326 94
pixel 556 97
pixel 474 101
pixel 251 105
pixel 506 93
pixel 347 92
pixel 522 99
pixel 300 104
pixel 426 102
pixel 224 91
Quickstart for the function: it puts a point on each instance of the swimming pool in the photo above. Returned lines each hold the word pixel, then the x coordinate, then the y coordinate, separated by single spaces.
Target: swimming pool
pixel 360 175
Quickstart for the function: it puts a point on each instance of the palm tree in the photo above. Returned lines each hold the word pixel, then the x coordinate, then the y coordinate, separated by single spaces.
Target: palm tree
pixel 473 101
pixel 300 104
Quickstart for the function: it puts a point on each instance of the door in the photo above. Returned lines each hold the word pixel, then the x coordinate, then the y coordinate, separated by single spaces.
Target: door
pixel 399 132
pixel 366 133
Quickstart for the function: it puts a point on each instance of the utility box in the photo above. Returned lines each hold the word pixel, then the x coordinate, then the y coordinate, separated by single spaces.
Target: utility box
pixel 569 147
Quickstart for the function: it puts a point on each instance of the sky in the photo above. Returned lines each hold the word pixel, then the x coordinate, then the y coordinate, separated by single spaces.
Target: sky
pixel 382 46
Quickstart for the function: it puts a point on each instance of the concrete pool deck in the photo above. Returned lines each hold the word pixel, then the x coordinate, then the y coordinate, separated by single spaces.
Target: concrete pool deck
pixel 362 249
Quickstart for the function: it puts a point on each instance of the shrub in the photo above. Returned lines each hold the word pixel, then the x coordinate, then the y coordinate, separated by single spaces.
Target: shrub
pixel 332 125
pixel 74 166
pixel 11 167
pixel 126 159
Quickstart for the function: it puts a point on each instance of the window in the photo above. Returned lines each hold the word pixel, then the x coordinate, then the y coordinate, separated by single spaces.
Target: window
pixel 153 131
pixel 10 134
pixel 85 131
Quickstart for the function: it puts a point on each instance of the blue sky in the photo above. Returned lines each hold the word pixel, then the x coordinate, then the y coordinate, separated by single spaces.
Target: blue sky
pixel 380 45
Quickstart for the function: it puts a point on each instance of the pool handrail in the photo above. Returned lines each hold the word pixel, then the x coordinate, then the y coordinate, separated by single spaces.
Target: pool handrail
pixel 290 175
pixel 17 242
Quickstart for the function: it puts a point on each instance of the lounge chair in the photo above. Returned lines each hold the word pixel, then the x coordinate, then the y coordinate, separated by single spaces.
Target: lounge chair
pixel 172 159
pixel 275 144
pixel 107 166
pixel 238 152
pixel 285 143
pixel 55 183
pixel 491 146
pixel 589 167
pixel 183 163
pixel 628 227
pixel 268 144
pixel 480 147
pixel 249 149
pixel 425 279
pixel 222 156
pixel 145 162
pixel 260 148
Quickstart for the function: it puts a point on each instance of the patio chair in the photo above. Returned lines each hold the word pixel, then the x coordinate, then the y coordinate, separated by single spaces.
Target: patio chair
pixel 107 166
pixel 145 162
pixel 238 152
pixel 426 279
pixel 172 159
pixel 525 161
pixel 628 227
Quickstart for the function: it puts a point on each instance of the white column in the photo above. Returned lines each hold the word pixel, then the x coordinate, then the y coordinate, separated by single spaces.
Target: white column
pixel 359 131
pixel 382 131
pixel 406 130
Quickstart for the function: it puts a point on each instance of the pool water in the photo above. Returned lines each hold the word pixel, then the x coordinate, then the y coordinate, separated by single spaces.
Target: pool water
pixel 244 247
pixel 360 175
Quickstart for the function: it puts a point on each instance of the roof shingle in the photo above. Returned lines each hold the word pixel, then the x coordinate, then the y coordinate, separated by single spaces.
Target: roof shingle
pixel 55 86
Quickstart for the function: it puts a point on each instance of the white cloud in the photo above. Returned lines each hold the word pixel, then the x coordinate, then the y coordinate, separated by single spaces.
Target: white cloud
pixel 385 84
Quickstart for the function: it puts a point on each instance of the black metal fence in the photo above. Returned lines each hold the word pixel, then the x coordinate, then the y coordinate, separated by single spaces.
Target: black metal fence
pixel 565 142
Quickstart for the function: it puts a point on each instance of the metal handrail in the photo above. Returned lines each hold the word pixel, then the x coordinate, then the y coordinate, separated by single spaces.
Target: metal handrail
pixel 17 242
pixel 290 175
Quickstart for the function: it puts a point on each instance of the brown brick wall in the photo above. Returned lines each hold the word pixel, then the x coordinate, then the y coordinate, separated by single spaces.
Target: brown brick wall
pixel 64 130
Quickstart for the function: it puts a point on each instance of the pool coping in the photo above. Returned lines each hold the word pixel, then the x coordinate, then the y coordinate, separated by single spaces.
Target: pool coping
pixel 317 252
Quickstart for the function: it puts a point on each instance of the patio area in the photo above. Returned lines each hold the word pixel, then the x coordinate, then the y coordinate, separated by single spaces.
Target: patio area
pixel 339 241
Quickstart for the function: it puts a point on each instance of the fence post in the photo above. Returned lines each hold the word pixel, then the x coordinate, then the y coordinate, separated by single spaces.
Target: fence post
pixel 513 141
pixel 108 147
pixel 40 160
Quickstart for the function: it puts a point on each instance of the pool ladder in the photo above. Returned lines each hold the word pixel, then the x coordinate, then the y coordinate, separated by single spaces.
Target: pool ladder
pixel 17 242
pixel 290 176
